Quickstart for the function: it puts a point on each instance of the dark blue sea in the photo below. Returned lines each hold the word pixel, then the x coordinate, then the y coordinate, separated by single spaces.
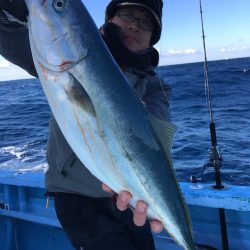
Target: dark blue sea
pixel 24 116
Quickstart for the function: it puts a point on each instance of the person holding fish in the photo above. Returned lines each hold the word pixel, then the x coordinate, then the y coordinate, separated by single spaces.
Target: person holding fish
pixel 93 216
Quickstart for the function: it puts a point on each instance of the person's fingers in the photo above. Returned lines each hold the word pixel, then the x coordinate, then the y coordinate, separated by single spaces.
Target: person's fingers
pixel 156 226
pixel 140 213
pixel 107 188
pixel 123 200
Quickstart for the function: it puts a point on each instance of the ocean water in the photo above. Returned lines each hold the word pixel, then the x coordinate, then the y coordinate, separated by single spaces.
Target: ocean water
pixel 24 116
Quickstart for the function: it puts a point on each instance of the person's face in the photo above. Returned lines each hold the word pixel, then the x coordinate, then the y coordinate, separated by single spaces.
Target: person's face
pixel 135 34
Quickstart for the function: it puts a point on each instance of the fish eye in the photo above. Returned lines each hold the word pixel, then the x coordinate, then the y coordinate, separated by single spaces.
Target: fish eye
pixel 59 5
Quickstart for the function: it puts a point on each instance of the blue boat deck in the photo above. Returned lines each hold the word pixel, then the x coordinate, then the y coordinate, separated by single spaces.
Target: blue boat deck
pixel 26 223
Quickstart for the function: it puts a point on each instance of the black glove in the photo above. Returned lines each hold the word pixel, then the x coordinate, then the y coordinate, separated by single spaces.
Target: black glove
pixel 14 37
pixel 16 8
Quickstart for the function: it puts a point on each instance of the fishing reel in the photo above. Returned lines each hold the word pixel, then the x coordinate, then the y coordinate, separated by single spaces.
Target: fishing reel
pixel 214 161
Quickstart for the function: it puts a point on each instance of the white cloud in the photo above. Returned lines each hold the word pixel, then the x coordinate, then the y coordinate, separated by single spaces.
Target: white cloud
pixel 242 40
pixel 176 56
pixel 189 51
pixel 234 48
pixel 4 63
pixel 173 52
pixel 9 71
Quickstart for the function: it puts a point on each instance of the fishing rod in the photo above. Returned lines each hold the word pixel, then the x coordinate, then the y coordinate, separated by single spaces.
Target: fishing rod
pixel 215 157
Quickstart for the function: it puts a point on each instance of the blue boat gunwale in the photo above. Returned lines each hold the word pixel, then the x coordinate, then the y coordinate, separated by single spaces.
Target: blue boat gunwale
pixel 23 206
pixel 232 197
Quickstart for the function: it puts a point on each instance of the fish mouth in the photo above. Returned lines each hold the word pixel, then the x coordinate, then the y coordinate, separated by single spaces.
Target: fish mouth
pixel 65 64
pixel 60 37
pixel 62 63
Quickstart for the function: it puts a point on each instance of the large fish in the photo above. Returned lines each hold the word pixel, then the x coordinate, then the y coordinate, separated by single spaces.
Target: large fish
pixel 99 114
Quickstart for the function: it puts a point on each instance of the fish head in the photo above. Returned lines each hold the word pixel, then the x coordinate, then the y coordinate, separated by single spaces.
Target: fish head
pixel 56 29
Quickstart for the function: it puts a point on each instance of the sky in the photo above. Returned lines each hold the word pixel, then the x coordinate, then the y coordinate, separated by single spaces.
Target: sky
pixel 226 24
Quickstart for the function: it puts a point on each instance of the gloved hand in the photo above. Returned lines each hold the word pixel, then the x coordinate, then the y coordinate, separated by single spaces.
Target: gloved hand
pixel 16 8
pixel 14 36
